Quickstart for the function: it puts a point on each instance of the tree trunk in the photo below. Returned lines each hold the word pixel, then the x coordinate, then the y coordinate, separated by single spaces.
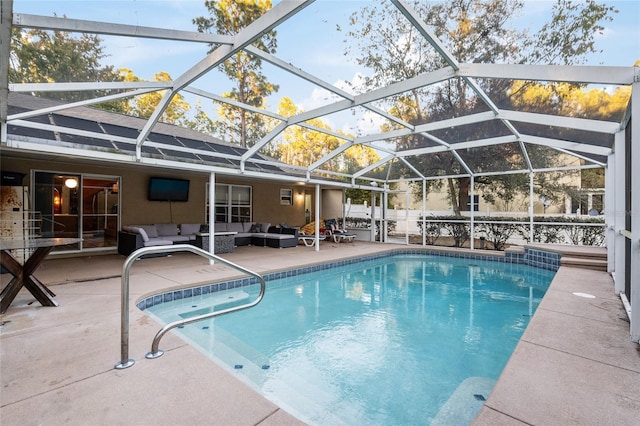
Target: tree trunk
pixel 243 129
pixel 454 199
pixel 460 197
pixel 463 193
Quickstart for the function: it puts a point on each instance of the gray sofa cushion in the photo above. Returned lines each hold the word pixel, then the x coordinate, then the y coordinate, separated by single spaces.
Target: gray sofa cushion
pixel 166 229
pixel 151 230
pixel 280 236
pixel 157 242
pixel 189 228
pixel 176 238
pixel 220 227
pixel 235 227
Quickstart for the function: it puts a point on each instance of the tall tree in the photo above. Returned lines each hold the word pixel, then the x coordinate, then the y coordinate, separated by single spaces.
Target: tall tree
pixel 301 146
pixel 201 122
pixel 228 17
pixel 145 105
pixel 39 56
pixel 473 31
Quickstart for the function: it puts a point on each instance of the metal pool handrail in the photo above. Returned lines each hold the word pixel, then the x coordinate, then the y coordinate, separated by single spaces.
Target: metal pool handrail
pixel 125 361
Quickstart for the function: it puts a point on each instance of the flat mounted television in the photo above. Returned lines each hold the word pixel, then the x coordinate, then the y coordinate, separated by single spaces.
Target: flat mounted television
pixel 166 189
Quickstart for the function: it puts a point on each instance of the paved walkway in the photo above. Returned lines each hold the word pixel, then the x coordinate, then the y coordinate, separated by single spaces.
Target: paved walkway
pixel 574 365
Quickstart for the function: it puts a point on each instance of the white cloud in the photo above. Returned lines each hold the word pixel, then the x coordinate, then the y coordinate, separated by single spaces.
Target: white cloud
pixel 318 98
pixel 370 122
pixel 357 122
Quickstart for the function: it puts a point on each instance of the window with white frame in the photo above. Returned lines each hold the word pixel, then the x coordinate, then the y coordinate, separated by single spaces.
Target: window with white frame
pixel 232 203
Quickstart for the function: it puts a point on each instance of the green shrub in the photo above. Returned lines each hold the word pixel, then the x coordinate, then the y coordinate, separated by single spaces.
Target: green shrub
pixel 550 230
pixel 497 233
pixel 561 230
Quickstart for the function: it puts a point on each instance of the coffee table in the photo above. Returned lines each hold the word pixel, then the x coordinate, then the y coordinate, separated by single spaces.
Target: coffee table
pixel 224 242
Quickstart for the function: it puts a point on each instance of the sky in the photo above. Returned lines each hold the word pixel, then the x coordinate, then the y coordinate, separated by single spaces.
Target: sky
pixel 308 41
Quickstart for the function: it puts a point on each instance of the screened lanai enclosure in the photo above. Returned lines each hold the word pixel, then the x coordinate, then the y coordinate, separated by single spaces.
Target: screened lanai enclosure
pixel 475 127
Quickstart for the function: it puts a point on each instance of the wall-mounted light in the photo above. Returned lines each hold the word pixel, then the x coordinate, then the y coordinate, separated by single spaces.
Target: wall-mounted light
pixel 70 183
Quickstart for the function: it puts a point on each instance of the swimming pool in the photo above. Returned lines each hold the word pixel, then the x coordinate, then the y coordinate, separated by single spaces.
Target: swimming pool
pixel 402 339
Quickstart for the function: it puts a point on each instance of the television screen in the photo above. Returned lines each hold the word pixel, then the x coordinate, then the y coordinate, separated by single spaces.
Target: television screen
pixel 165 189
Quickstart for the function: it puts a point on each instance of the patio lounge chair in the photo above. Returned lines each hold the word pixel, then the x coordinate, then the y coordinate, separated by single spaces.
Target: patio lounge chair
pixel 307 233
pixel 337 234
pixel 310 240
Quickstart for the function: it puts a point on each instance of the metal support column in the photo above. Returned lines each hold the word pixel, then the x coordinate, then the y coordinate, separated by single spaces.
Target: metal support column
pixel 635 212
pixel 472 213
pixel 424 212
pixel 373 216
pixel 384 216
pixel 610 211
pixel 406 216
pixel 531 207
pixel 212 215
pixel 316 232
pixel 619 209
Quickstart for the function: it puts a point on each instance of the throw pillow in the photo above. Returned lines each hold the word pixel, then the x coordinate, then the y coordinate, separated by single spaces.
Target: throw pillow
pixel 255 228
pixel 264 227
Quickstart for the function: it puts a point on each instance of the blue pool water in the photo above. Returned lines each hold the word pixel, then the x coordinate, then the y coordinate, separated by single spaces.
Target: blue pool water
pixel 407 339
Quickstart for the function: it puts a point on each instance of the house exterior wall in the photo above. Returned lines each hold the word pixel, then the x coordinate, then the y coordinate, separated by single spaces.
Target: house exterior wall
pixel 331 206
pixel 135 208
pixel 266 201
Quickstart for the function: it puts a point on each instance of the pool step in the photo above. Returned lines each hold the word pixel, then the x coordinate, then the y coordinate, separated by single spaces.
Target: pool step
pixel 594 258
pixel 573 256
pixel 594 263
pixel 465 403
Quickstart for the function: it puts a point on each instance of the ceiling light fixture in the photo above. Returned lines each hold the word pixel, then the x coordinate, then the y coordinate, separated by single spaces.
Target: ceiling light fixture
pixel 70 183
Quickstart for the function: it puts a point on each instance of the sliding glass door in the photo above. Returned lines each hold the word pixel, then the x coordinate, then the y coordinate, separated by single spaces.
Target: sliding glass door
pixel 77 206
pixel 100 201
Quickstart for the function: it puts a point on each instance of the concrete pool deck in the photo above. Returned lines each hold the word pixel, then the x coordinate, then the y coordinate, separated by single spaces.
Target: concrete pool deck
pixel 574 364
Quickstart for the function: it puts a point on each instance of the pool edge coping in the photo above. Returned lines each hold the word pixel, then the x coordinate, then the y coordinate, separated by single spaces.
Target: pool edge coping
pixel 534 257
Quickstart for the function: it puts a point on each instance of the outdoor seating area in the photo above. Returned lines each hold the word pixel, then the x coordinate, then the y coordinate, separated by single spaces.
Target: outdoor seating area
pixel 337 234
pixel 329 230
pixel 215 128
pixel 260 234
pixel 133 237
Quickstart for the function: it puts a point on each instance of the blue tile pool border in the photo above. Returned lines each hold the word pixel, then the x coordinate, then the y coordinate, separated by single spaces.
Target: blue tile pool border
pixel 532 257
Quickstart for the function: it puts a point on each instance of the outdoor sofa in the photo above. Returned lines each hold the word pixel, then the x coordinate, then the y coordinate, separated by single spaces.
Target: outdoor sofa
pixel 260 234
pixel 133 237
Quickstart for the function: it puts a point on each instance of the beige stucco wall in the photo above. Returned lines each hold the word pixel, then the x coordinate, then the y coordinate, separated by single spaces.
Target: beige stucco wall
pixel 136 209
pixel 331 203
pixel 266 202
